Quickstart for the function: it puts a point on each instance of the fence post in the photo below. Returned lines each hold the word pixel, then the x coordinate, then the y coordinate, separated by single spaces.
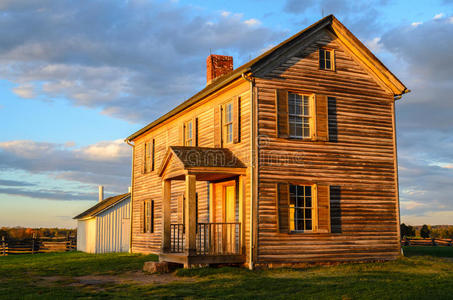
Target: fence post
pixel 3 246
pixel 434 242
pixel 33 243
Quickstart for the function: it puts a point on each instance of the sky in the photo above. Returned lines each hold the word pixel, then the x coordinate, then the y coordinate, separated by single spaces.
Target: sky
pixel 77 77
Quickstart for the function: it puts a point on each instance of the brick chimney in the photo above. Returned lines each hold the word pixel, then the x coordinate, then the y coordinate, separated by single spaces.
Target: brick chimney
pixel 218 65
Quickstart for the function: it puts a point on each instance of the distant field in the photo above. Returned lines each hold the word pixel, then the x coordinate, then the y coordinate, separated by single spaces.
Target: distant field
pixel 73 275
pixel 437 251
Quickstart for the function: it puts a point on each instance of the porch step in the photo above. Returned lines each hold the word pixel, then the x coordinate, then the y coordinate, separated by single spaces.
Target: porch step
pixel 188 260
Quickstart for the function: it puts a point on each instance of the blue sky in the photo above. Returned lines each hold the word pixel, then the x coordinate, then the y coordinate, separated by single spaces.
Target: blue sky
pixel 77 78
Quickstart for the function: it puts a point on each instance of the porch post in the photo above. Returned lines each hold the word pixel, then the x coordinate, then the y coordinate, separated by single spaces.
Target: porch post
pixel 166 215
pixel 242 211
pixel 190 213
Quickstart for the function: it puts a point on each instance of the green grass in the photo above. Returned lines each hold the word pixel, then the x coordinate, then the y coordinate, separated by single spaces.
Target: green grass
pixel 415 277
pixel 428 250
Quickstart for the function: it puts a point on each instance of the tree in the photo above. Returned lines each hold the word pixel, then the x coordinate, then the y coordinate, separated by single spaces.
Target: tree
pixel 406 230
pixel 425 232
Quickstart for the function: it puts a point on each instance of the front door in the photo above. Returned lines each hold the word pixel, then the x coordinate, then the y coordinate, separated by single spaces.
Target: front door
pixel 229 230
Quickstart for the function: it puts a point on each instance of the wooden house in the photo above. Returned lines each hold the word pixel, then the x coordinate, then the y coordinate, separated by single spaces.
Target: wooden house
pixel 105 227
pixel 290 158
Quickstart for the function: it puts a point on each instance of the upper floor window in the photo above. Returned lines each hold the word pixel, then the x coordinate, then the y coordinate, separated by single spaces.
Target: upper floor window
pixel 149 156
pixel 188 133
pixel 326 59
pixel 300 208
pixel 228 123
pixel 299 115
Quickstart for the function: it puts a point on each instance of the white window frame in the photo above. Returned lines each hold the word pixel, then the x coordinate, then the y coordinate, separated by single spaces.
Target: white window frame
pixel 227 126
pixel 189 133
pixel 302 115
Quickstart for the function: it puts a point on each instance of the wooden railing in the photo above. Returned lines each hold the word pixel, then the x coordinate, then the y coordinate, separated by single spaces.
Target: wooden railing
pixel 218 238
pixel 211 238
pixel 176 238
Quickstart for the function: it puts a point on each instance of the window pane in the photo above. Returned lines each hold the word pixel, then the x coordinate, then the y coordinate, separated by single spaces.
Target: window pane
pixel 308 213
pixel 327 55
pixel 300 224
pixel 228 113
pixel 308 190
pixel 307 224
pixel 307 201
pixel 328 67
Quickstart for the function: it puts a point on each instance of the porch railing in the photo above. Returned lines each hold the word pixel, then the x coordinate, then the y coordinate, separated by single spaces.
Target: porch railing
pixel 218 238
pixel 211 238
pixel 177 238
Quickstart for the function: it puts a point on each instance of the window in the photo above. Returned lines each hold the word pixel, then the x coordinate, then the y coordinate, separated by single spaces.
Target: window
pixel 228 123
pixel 149 156
pixel 326 59
pixel 148 217
pixel 188 133
pixel 300 208
pixel 153 154
pixel 299 115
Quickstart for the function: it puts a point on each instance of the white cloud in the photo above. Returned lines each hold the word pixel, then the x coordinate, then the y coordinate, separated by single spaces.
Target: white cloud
pixel 374 44
pixel 252 22
pixel 450 20
pixel 25 91
pixel 438 16
pixel 132 60
pixel 429 217
pixel 105 151
pixel 415 24
pixel 409 205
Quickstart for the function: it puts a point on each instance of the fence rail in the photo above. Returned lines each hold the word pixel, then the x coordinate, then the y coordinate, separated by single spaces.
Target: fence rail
pixel 36 245
pixel 427 242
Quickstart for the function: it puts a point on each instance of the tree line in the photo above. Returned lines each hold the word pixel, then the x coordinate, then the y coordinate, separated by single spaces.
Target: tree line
pixel 21 233
pixel 427 231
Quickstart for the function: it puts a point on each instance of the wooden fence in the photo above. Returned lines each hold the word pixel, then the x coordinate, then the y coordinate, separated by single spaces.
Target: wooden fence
pixel 37 245
pixel 427 242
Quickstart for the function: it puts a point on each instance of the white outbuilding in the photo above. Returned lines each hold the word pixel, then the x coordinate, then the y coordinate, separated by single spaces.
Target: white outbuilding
pixel 106 226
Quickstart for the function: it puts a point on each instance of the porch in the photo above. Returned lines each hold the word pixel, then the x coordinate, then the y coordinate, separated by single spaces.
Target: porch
pixel 221 239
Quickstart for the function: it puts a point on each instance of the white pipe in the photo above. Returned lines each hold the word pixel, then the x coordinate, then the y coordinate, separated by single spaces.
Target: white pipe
pixel 101 193
pixel 252 175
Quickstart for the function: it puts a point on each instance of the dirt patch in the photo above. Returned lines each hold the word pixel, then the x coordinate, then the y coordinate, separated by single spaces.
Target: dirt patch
pixel 139 277
pixel 50 280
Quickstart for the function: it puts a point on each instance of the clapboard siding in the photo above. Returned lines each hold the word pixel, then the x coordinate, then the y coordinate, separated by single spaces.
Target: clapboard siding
pixel 149 185
pixel 358 161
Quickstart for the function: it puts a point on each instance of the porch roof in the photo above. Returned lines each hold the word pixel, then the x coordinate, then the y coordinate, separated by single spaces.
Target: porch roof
pixel 206 163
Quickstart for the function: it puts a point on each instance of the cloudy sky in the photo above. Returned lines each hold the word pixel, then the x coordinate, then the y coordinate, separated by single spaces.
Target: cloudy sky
pixel 77 77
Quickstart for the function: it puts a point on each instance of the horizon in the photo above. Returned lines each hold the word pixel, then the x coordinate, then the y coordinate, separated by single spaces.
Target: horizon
pixel 69 97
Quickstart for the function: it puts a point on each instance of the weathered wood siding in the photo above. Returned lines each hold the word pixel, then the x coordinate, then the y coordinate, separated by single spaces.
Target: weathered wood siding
pixel 149 186
pixel 357 161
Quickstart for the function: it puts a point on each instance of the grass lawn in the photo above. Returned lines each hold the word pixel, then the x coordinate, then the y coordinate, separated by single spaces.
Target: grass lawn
pixel 428 250
pixel 118 276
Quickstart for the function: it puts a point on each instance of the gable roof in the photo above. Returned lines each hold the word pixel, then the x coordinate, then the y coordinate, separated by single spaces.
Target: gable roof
pixel 204 157
pixel 353 43
pixel 102 206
